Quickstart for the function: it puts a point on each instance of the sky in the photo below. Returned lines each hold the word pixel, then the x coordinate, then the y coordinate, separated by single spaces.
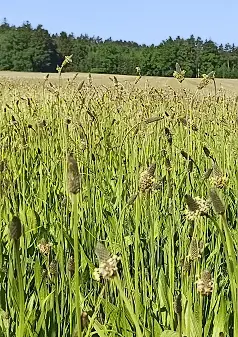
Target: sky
pixel 142 21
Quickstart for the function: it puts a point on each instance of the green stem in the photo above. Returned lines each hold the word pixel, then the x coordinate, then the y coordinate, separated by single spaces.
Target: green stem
pixel 180 325
pixel 76 259
pixel 128 306
pixel 95 311
pixel 230 259
pixel 21 327
pixel 137 239
pixel 232 263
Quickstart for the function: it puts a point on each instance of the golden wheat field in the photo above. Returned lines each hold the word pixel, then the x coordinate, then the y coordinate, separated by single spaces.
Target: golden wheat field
pixel 119 205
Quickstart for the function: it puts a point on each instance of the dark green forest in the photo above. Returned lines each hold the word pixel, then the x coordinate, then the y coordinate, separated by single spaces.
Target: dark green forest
pixel 25 48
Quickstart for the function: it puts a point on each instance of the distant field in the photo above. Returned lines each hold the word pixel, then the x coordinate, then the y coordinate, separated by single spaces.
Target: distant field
pixel 230 85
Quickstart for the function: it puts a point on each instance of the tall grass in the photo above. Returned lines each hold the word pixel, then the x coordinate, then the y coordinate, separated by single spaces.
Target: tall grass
pixel 177 274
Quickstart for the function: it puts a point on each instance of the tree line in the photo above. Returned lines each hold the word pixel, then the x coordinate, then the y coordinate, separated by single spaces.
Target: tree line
pixel 25 48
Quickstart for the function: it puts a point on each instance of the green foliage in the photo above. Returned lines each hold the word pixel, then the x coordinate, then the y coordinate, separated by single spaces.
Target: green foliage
pixel 75 161
pixel 27 49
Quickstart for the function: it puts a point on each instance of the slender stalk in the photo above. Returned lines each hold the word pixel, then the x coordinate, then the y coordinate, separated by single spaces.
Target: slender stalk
pixel 129 307
pixel 137 260
pixel 229 253
pixel 180 325
pixel 21 327
pixel 232 263
pixel 76 258
pixel 92 320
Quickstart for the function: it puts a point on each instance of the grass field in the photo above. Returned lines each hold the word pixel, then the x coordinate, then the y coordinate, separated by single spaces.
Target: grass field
pixel 230 85
pixel 118 207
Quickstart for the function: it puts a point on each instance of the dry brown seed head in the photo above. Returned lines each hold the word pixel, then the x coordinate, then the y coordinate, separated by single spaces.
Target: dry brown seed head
pixel 71 265
pixel 205 283
pixel 74 182
pixel 168 136
pixel 178 305
pixel 207 174
pixel 102 253
pixel 206 151
pixel 151 169
pixel 44 247
pixel 2 166
pixel 53 268
pixel 185 155
pixel 192 203
pixel 168 164
pixel 107 263
pixel 147 179
pixel 44 274
pixel 216 170
pixel 84 320
pixel 190 166
pixel 84 323
pixel 216 201
pixel 15 228
pixel 183 121
pixel 206 276
pixel 186 264
pixel 194 250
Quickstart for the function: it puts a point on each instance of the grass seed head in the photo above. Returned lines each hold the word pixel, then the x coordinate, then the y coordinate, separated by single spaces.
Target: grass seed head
pixel 74 182
pixel 205 283
pixel 217 178
pixel 196 207
pixel 44 274
pixel 44 247
pixel 216 201
pixel 168 164
pixel 101 252
pixel 190 166
pixel 216 170
pixel 107 264
pixel 151 169
pixel 178 304
pixel 84 323
pixel 185 155
pixel 194 250
pixel 2 166
pixel 191 203
pixel 207 78
pixel 168 136
pixel 15 228
pixel 71 265
pixel 186 264
pixel 183 121
pixel 207 174
pixel 206 151
pixel 84 320
pixel 179 74
pixel 147 179
pixel 53 268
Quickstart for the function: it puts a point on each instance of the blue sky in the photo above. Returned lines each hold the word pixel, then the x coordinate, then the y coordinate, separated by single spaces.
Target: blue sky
pixel 147 21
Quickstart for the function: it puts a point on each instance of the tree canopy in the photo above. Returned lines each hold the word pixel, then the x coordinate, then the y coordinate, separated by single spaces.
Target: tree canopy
pixel 25 48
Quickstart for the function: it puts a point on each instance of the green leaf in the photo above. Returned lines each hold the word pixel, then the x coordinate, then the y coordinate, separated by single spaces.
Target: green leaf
pixel 163 291
pixel 169 333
